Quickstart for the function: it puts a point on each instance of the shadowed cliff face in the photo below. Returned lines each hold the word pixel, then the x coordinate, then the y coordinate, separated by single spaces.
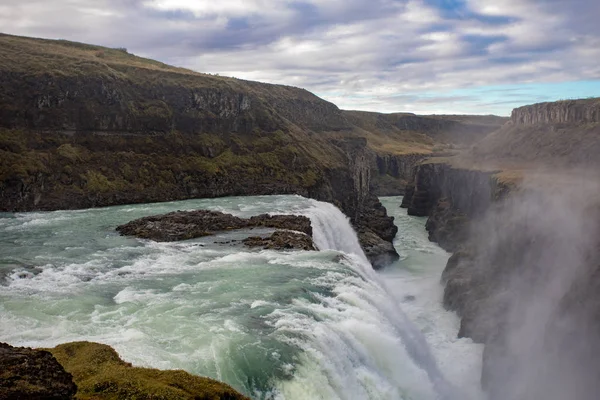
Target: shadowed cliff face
pixel 524 276
pixel 520 212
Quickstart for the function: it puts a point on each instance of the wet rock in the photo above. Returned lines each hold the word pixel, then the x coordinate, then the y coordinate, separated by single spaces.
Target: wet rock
pixel 447 226
pixel 290 222
pixel 282 240
pixel 183 225
pixel 376 232
pixel 379 252
pixel 33 374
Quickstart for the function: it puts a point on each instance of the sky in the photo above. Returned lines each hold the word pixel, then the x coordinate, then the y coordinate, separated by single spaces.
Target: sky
pixel 422 56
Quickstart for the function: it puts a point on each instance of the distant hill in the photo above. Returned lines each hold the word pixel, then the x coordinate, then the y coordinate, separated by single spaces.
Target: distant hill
pixel 396 132
pixel 565 133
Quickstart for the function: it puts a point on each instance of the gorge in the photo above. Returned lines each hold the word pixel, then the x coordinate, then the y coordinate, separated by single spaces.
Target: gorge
pixel 257 252
pixel 519 212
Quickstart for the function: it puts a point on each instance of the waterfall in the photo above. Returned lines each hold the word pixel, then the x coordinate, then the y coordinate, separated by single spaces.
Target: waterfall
pixel 332 231
pixel 276 325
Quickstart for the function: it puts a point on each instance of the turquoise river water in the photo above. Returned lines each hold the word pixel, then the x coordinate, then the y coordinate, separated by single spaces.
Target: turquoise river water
pixel 273 324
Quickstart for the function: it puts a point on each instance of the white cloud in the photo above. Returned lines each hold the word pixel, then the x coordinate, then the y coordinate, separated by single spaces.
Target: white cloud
pixel 375 54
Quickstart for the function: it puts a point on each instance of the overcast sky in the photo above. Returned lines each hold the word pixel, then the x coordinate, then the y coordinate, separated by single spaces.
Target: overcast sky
pixel 424 56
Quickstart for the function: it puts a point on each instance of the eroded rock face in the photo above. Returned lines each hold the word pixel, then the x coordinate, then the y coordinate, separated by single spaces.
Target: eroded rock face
pixel 393 173
pixel 569 111
pixel 379 252
pixel 33 374
pixel 184 225
pixel 524 276
pixel 125 131
pixel 469 191
pixel 526 284
pixel 447 226
pixel 282 240
pixel 376 232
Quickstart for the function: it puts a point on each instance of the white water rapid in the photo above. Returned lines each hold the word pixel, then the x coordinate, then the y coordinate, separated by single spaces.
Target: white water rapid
pixel 273 324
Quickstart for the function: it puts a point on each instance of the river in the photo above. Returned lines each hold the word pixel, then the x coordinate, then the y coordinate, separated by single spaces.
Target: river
pixel 273 324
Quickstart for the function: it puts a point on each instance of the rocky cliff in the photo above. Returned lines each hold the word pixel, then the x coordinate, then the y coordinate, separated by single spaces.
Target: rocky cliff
pixel 399 141
pixel 524 274
pixel 33 374
pixel 86 126
pixel 561 112
pixel 448 129
pixel 563 133
pixel 85 370
pixel 392 173
pixel 522 224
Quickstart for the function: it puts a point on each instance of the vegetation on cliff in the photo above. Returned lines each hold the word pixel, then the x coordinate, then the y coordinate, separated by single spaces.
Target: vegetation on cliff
pixel 100 374
pixel 84 125
pixel 94 371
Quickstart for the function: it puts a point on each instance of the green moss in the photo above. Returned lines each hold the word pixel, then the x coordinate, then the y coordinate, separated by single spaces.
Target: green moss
pixel 100 374
pixel 69 152
pixel 23 165
pixel 309 178
pixel 98 183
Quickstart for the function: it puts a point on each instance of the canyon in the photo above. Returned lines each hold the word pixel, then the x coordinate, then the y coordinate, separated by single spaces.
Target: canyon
pixel 512 209
pixel 513 199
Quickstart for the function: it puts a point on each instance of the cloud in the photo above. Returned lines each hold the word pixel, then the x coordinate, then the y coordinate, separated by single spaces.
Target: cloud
pixel 376 54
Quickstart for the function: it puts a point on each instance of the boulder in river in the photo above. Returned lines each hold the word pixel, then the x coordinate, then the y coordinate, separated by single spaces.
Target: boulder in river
pixel 183 225
pixel 282 240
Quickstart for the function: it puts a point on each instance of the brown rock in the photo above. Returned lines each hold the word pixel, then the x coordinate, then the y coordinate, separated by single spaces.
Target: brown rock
pixel 282 240
pixel 33 374
pixel 183 225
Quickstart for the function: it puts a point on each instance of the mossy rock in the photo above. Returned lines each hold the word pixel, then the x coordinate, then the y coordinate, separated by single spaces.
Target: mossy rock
pixel 100 374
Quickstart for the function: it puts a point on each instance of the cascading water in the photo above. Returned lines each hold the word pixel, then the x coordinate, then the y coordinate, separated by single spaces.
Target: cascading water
pixel 282 325
pixel 332 230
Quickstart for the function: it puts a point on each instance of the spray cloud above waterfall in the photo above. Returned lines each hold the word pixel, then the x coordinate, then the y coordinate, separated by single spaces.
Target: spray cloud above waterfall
pixel 532 266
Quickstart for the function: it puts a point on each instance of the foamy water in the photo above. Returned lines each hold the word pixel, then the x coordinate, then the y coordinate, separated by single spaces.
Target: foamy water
pixel 273 324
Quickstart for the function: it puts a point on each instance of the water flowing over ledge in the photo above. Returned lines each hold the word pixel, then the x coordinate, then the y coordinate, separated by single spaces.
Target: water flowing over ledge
pixel 272 324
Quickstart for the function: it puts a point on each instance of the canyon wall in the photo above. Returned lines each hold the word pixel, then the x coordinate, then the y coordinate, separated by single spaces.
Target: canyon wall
pixel 561 112
pixel 524 275
pixel 391 173
pixel 85 126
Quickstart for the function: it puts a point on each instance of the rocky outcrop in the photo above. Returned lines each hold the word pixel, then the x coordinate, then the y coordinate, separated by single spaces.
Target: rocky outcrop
pixel 282 240
pixel 560 112
pixel 468 191
pixel 86 370
pixel 523 276
pixel 84 126
pixel 374 228
pixel 376 232
pixel 100 374
pixel 392 173
pixel 184 225
pixel 33 374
